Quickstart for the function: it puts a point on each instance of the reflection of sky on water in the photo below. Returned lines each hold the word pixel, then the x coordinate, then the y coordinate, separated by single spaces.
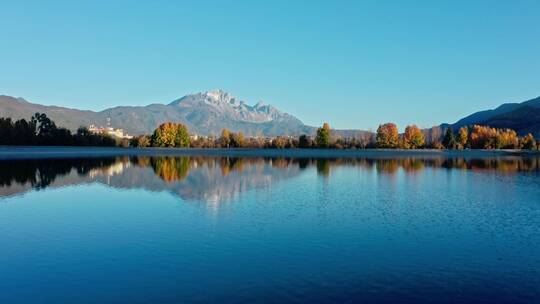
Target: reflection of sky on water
pixel 300 230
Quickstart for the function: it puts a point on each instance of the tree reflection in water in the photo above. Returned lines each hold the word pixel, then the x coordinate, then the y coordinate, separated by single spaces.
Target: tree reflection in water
pixel 220 178
pixel 41 173
pixel 170 168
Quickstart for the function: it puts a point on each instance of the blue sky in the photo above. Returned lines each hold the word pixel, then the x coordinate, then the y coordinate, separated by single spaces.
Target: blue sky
pixel 354 64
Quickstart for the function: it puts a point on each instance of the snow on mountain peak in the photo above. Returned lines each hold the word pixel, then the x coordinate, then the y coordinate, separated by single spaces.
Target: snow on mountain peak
pixel 229 106
pixel 219 97
pixel 214 95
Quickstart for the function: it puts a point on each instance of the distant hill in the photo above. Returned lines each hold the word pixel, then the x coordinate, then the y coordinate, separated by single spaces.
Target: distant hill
pixel 522 117
pixel 204 113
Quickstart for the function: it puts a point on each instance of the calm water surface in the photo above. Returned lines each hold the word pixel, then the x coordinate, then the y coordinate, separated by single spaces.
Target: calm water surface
pixel 245 230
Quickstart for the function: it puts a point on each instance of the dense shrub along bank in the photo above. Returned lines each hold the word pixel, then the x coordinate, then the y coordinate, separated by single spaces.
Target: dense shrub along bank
pixel 42 131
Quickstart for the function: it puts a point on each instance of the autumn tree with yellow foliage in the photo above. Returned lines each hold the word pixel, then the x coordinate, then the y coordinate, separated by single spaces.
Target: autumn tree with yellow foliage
pixel 171 135
pixel 463 137
pixel 484 137
pixel 413 138
pixel 506 139
pixel 387 136
pixel 528 142
pixel 230 139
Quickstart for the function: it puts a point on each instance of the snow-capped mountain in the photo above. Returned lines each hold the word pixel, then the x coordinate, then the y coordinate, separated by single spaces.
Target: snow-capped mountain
pixel 229 106
pixel 205 113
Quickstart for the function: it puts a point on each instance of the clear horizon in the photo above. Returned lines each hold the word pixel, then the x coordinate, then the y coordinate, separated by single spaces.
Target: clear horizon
pixel 354 65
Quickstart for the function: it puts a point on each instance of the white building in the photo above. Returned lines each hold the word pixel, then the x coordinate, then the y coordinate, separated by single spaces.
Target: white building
pixel 118 133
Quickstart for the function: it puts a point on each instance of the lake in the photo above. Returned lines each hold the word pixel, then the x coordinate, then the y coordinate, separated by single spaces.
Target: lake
pixel 199 229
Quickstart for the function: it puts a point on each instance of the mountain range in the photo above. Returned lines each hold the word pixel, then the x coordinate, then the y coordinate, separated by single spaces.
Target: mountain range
pixel 204 114
pixel 207 113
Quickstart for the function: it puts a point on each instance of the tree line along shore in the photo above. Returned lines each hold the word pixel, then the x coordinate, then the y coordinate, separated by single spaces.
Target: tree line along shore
pixel 42 131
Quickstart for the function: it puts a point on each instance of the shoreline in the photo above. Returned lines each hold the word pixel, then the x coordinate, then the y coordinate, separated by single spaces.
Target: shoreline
pixel 48 152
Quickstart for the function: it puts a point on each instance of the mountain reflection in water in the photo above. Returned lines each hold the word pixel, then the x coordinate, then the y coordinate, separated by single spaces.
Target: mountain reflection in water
pixel 219 179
